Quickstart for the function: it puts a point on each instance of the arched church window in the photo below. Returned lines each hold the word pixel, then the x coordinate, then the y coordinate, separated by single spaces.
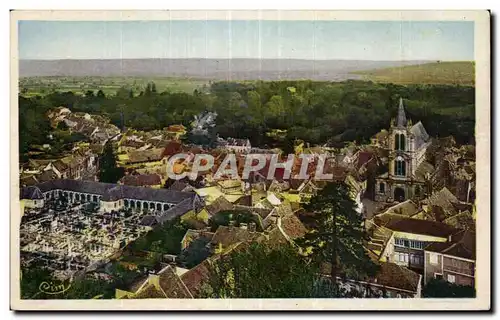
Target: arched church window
pixel 400 142
pixel 400 167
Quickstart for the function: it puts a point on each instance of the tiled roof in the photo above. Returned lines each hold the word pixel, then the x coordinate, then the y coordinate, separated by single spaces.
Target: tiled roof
pixel 363 157
pixel 462 244
pixel 407 208
pixel 420 135
pixel 292 226
pixel 111 191
pixel 415 226
pixel 220 204
pixel 181 208
pixel 196 277
pixel 145 155
pixel 148 220
pixel 424 169
pixel 172 285
pixel 444 199
pixel 28 181
pixel 230 235
pixel 31 192
pixel 149 292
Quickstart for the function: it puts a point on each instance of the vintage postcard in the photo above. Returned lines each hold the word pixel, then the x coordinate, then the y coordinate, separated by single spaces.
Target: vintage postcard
pixel 250 160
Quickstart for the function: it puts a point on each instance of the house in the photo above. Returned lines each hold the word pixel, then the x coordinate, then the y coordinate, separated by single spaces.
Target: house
pixel 113 197
pixel 164 284
pixel 142 180
pixel 235 145
pixel 32 197
pixel 453 260
pixel 191 235
pixel 230 186
pixel 391 281
pixel 148 157
pixel 409 237
pixel 176 131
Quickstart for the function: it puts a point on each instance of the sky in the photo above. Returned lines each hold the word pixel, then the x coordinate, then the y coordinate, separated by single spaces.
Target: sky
pixel 316 40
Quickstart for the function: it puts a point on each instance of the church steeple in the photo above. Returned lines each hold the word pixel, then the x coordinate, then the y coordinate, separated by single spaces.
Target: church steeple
pixel 401 118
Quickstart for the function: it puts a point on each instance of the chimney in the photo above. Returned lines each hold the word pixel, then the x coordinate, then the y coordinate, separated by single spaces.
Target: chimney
pixel 243 226
pixel 252 227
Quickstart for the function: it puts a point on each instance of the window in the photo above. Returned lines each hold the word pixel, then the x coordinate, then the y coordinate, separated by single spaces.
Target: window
pixel 382 187
pixel 399 242
pixel 416 259
pixel 401 257
pixel 438 276
pixel 417 244
pixel 400 167
pixel 400 142
pixel 451 278
pixel 433 259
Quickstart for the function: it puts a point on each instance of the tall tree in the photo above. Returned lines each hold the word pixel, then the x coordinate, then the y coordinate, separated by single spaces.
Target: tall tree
pixel 260 272
pixel 109 171
pixel 338 233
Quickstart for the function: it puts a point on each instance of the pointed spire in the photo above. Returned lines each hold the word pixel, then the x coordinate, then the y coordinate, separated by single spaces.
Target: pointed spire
pixel 401 118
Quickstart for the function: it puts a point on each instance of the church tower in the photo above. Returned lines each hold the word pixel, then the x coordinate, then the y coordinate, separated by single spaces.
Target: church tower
pixel 406 146
pixel 400 154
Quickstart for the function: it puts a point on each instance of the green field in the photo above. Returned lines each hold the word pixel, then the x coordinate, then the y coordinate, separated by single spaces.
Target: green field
pixel 31 86
pixel 459 73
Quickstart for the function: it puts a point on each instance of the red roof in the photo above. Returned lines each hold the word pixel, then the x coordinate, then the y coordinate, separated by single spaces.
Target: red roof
pixel 363 157
pixel 173 147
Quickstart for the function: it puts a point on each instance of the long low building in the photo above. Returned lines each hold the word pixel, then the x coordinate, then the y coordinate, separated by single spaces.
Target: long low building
pixel 109 196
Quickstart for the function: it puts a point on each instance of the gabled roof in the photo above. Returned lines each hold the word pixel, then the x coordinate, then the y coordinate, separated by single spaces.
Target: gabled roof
pixel 196 277
pixel 407 208
pixel 219 204
pixel 462 244
pixel 111 191
pixel 396 222
pixel 148 220
pixel 149 292
pixel 227 236
pixel 172 285
pixel 293 227
pixel 32 193
pixel 420 135
pixel 178 210
pixel 445 200
pixel 28 181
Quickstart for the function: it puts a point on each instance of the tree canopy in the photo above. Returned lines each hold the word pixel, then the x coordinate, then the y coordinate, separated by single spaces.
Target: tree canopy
pixel 338 234
pixel 314 111
pixel 108 169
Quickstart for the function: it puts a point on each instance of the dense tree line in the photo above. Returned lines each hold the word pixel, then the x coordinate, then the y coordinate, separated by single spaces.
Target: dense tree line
pixel 316 112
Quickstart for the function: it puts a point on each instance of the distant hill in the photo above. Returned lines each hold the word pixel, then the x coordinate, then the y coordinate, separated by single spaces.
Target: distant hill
pixel 224 69
pixel 459 72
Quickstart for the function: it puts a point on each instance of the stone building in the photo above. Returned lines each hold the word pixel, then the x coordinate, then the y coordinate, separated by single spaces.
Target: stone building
pixel 407 168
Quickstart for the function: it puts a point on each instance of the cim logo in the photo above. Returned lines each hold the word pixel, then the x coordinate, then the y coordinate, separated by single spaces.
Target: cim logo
pixel 53 288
